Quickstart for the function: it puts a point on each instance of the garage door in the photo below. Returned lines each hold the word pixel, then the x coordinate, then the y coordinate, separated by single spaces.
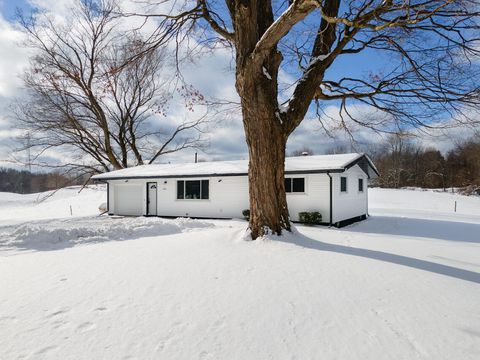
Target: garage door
pixel 128 199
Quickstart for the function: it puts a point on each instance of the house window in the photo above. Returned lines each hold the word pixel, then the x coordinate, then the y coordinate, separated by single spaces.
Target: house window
pixel 343 184
pixel 296 185
pixel 360 185
pixel 193 190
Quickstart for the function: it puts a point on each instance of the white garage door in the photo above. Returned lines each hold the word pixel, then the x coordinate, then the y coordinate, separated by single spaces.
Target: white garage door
pixel 128 199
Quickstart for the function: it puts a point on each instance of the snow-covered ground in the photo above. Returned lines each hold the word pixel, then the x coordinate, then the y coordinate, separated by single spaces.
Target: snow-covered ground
pixel 405 284
pixel 17 208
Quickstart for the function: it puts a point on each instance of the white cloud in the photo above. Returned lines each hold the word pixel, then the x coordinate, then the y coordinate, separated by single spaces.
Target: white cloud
pixel 212 74
pixel 13 58
pixel 450 133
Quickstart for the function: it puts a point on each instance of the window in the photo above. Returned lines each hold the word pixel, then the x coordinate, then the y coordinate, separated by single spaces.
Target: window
pixel 296 185
pixel 193 189
pixel 343 184
pixel 180 189
pixel 205 189
pixel 360 185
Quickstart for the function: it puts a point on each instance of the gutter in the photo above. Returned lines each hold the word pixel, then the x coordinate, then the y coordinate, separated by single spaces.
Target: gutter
pixel 331 196
pixel 136 177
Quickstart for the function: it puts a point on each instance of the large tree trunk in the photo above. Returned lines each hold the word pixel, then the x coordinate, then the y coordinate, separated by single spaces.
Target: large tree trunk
pixel 268 203
pixel 266 140
pixel 266 135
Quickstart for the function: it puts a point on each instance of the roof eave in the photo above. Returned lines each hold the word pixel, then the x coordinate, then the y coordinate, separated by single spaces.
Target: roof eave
pixel 360 158
pixel 292 172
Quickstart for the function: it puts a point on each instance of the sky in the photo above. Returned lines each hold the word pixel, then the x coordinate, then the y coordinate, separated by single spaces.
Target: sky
pixel 9 8
pixel 212 74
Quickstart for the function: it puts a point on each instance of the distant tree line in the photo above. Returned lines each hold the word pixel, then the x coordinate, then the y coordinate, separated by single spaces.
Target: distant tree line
pixel 403 163
pixel 400 161
pixel 26 182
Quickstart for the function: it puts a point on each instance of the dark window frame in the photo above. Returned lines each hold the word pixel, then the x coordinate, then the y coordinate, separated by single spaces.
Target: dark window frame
pixel 203 185
pixel 343 184
pixel 290 185
pixel 361 185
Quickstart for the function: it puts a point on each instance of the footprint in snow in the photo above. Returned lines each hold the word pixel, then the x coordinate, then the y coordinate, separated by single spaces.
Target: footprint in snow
pixel 45 350
pixel 58 313
pixel 86 326
pixel 7 319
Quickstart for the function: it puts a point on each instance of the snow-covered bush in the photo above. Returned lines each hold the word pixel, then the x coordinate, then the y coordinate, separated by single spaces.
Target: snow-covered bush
pixel 246 214
pixel 102 207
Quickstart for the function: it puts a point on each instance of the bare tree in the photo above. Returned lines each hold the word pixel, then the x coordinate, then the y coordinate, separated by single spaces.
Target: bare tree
pixel 88 97
pixel 430 44
pixel 339 148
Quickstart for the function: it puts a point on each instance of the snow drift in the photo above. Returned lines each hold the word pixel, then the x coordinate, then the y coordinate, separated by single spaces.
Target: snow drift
pixel 64 233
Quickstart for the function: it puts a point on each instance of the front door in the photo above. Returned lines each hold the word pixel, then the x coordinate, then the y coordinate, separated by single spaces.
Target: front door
pixel 152 199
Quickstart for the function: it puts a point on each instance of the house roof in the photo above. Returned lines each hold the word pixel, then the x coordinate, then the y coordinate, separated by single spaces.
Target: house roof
pixel 293 165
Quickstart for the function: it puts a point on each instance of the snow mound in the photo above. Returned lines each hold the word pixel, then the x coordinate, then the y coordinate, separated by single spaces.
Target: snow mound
pixel 44 235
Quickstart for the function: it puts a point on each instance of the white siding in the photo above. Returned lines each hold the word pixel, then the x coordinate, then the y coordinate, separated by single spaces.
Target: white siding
pixel 315 198
pixel 229 196
pixel 352 203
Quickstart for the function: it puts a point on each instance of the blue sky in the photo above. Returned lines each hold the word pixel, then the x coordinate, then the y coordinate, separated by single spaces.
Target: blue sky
pixel 9 7
pixel 227 140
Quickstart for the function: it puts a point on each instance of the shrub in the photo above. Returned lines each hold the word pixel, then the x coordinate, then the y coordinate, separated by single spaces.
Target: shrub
pixel 246 214
pixel 310 217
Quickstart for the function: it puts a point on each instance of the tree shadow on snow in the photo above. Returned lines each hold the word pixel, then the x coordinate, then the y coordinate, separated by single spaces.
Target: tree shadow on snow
pixel 435 229
pixel 306 242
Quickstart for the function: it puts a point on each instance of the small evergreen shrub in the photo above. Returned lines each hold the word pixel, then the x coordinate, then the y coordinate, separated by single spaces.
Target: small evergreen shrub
pixel 246 214
pixel 310 217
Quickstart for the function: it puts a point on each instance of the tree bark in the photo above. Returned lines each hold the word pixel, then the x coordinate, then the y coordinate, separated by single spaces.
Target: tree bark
pixel 266 140
pixel 266 147
pixel 256 83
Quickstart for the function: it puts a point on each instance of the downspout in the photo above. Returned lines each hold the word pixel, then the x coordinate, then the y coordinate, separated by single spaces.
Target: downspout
pixel 366 191
pixel 108 197
pixel 331 191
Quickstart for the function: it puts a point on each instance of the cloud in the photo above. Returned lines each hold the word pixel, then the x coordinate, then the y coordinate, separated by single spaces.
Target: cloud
pixel 442 136
pixel 13 59
pixel 446 135
pixel 212 73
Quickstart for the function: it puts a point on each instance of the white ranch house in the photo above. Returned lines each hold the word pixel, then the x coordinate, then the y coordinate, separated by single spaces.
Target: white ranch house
pixel 334 185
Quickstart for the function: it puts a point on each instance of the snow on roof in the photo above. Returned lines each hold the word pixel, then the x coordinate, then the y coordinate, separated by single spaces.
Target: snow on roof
pixel 338 162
